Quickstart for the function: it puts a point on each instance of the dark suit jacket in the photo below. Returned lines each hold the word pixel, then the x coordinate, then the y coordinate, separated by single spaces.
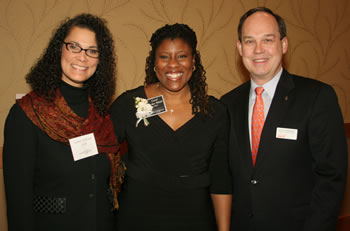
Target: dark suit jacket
pixel 295 184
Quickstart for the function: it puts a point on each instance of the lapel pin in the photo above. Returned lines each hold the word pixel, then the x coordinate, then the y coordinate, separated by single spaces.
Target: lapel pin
pixel 286 98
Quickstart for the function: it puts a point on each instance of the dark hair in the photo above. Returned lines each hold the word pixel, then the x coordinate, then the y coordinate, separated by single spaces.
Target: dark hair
pixel 197 83
pixel 281 24
pixel 45 76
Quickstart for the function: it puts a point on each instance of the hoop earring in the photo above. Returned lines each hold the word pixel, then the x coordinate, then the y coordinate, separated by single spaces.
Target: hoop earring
pixel 154 69
pixel 193 68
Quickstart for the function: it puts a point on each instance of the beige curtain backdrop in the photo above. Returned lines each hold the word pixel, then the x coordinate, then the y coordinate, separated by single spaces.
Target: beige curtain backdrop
pixel 318 32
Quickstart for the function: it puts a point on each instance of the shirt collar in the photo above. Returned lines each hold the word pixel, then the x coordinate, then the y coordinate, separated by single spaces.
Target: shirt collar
pixel 269 87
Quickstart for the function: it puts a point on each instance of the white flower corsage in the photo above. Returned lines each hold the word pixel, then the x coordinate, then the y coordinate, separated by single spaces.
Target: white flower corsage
pixel 144 109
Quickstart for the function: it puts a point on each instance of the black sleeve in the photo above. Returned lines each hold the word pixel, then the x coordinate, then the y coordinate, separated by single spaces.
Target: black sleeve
pixel 329 152
pixel 221 180
pixel 118 113
pixel 19 163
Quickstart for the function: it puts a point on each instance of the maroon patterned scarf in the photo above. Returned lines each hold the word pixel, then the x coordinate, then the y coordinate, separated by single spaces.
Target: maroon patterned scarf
pixel 60 123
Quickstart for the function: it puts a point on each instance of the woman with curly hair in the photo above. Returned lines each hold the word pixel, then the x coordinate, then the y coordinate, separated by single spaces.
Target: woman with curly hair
pixel 59 148
pixel 177 175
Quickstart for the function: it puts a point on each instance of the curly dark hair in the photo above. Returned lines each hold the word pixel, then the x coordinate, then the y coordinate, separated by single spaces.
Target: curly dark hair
pixel 45 76
pixel 197 83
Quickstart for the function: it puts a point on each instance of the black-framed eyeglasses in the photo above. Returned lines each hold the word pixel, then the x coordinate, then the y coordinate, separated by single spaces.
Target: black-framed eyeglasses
pixel 75 48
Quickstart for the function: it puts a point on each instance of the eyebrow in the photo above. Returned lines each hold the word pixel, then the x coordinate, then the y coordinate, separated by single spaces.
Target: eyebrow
pixel 251 37
pixel 93 46
pixel 166 52
pixel 246 37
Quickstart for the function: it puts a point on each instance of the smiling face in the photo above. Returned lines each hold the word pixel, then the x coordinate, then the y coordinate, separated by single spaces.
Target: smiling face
pixel 173 63
pixel 261 47
pixel 78 67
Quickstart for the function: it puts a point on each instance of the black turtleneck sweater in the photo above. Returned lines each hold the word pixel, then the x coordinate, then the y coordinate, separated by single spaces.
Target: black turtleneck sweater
pixel 76 98
pixel 39 170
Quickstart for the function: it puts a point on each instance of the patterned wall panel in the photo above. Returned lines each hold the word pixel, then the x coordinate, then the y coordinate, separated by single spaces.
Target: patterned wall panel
pixel 318 31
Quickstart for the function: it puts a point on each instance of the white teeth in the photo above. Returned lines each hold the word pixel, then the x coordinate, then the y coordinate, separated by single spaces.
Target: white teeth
pixel 259 60
pixel 79 67
pixel 174 75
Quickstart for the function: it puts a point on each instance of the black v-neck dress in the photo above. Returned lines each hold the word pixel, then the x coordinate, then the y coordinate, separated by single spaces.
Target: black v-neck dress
pixel 171 174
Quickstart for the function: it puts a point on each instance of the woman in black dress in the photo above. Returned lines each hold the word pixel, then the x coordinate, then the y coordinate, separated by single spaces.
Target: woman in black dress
pixel 50 186
pixel 177 174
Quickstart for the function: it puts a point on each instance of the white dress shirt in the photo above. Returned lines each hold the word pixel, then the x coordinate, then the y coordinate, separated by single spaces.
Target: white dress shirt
pixel 267 96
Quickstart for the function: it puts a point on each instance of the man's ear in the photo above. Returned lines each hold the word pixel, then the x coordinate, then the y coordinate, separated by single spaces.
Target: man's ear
pixel 284 45
pixel 239 47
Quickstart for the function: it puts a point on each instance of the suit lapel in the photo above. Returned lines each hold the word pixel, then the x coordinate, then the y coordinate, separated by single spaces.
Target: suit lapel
pixel 279 105
pixel 241 127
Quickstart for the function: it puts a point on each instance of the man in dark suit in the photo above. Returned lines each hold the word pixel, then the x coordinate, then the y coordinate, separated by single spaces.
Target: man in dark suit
pixel 290 176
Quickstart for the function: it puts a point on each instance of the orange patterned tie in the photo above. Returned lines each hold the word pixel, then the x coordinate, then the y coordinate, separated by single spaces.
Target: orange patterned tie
pixel 257 121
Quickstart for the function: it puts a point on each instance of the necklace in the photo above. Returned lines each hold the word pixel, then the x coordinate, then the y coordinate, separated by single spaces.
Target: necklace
pixel 178 106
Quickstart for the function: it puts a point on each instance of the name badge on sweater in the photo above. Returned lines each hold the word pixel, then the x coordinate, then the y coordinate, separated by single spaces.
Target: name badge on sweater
pixel 83 146
pixel 287 133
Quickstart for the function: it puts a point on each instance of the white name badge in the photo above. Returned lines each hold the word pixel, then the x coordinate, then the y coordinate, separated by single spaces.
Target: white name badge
pixel 83 146
pixel 287 133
